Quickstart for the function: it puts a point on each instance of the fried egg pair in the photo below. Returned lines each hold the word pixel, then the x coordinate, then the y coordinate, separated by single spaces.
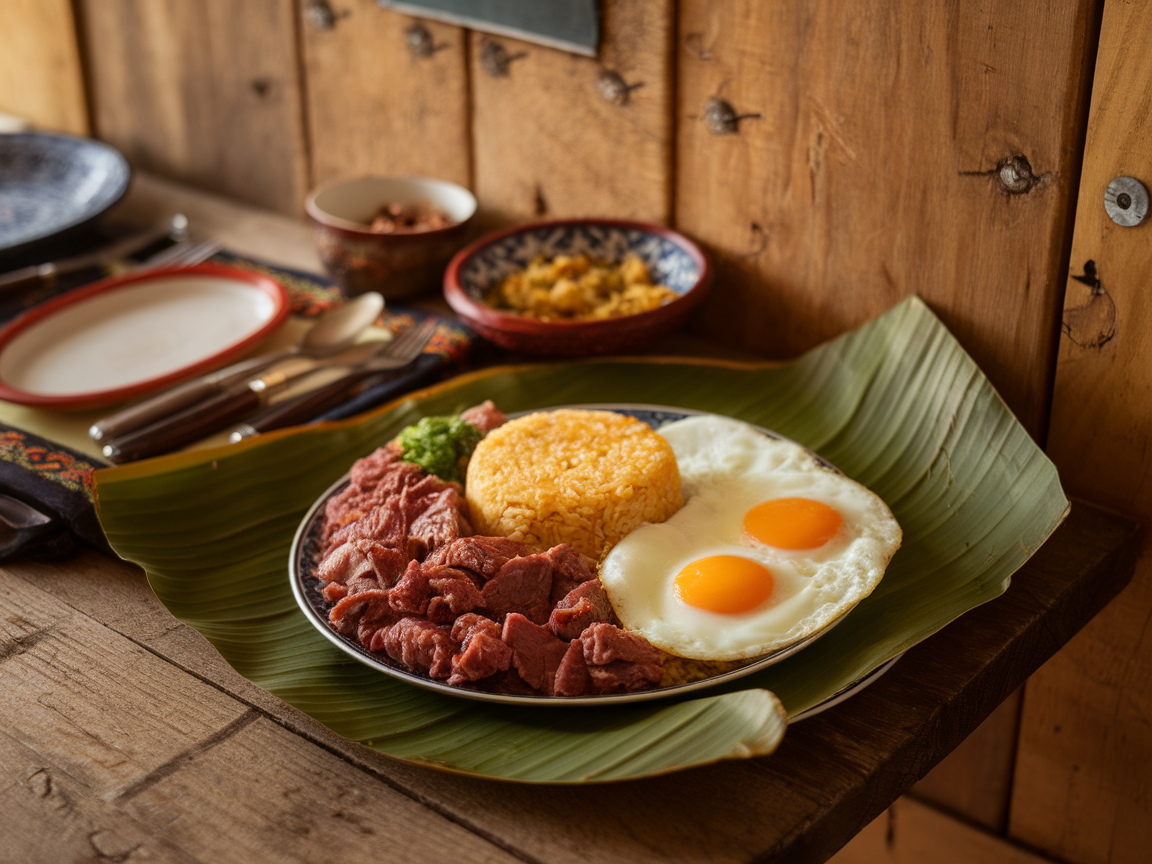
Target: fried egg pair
pixel 769 548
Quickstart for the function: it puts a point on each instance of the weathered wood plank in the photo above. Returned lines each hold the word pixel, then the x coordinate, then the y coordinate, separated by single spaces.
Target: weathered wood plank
pixel 869 170
pixel 970 779
pixel 122 775
pixel 832 776
pixel 46 817
pixel 207 93
pixel 91 702
pixel 41 79
pixel 912 833
pixel 1083 786
pixel 265 796
pixel 548 143
pixel 387 94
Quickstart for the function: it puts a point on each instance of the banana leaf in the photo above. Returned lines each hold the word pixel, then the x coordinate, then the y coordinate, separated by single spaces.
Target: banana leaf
pixel 896 404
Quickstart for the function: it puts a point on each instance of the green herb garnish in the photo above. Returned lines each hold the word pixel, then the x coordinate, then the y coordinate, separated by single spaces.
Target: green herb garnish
pixel 439 445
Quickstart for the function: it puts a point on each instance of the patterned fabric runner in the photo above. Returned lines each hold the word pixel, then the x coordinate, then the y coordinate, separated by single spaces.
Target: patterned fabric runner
pixel 58 481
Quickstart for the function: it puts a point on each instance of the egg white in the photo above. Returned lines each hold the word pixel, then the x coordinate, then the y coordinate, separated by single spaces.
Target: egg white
pixel 726 468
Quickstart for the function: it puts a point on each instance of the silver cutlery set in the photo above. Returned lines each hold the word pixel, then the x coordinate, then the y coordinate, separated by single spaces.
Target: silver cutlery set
pixel 260 393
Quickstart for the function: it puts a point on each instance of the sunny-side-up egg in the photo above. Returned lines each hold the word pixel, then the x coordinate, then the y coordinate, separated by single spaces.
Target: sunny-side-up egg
pixel 769 547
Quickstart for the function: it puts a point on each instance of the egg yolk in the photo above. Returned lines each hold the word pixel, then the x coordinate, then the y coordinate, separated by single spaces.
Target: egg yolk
pixel 727 584
pixel 792 523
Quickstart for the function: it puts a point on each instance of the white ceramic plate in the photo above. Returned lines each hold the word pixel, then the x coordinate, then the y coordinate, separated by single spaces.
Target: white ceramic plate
pixel 306 589
pixel 122 337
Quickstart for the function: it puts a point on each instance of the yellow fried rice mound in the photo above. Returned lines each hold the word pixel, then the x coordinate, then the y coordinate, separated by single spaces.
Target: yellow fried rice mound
pixel 585 478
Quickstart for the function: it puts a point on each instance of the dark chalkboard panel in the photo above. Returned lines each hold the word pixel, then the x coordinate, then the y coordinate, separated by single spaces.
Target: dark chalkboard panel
pixel 571 25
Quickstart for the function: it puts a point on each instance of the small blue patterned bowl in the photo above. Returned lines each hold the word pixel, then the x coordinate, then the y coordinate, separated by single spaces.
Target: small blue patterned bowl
pixel 672 259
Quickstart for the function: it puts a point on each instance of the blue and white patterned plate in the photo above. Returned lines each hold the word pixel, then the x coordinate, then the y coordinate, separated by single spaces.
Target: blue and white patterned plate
pixel 669 262
pixel 672 260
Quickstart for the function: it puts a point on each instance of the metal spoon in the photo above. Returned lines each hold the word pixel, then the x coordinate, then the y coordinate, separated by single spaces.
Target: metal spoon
pixel 333 331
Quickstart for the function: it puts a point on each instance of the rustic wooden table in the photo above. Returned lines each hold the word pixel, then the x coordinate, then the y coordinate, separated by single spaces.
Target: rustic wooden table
pixel 124 736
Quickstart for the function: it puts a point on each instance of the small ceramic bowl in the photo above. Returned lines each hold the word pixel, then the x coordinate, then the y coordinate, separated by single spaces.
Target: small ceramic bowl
pixel 399 265
pixel 672 260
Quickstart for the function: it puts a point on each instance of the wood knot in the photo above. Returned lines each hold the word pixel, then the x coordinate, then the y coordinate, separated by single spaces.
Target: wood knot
pixel 1091 324
pixel 495 59
pixel 721 118
pixel 1015 175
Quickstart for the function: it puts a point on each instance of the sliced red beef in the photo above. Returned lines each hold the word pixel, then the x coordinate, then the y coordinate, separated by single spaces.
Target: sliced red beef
pixel 523 585
pixel 453 594
pixel 569 569
pixel 360 561
pixel 355 605
pixel 485 416
pixel 418 644
pixel 376 616
pixel 606 643
pixel 482 654
pixel 470 622
pixel 584 605
pixel 536 653
pixel 384 497
pixel 360 584
pixel 344 562
pixel 619 661
pixel 368 472
pixel 441 522
pixel 572 678
pixel 624 676
pixel 388 563
pixel 411 594
pixel 334 591
pixel 482 556
pixel 349 613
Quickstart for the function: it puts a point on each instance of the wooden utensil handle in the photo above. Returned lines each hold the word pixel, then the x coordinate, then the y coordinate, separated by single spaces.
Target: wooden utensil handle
pixel 151 410
pixel 307 406
pixel 28 277
pixel 181 396
pixel 194 422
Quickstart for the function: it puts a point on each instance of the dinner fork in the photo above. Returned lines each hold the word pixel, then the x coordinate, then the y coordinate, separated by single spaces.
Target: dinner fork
pixel 183 253
pixel 246 397
pixel 317 393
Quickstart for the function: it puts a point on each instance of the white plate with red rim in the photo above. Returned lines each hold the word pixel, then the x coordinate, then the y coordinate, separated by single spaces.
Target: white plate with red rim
pixel 126 336
pixel 306 587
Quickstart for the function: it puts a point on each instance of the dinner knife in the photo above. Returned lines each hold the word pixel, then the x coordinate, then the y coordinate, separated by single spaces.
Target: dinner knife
pixel 313 401
pixel 47 273
pixel 229 405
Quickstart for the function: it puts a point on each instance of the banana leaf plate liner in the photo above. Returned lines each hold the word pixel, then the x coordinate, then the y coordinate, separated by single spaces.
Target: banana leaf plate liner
pixel 896 404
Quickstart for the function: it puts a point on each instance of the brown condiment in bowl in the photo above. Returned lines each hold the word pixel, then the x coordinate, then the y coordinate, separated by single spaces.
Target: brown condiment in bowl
pixel 408 219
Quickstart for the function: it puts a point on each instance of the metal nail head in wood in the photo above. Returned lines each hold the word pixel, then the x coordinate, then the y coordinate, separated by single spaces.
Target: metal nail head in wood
pixel 721 118
pixel 320 15
pixel 613 87
pixel 420 41
pixel 1126 201
pixel 495 59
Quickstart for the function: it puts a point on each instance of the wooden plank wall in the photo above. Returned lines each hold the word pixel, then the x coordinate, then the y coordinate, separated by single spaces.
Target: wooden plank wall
pixel 40 75
pixel 832 157
pixel 206 92
pixel 1083 788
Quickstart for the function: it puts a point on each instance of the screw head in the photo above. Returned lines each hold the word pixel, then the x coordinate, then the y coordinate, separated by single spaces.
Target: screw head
pixel 1126 201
